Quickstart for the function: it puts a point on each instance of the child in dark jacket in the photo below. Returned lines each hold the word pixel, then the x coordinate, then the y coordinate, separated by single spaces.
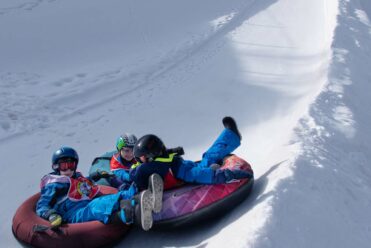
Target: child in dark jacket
pixel 169 164
pixel 68 196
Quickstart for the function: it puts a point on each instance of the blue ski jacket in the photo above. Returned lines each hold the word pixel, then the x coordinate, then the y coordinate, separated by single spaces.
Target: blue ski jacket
pixel 55 198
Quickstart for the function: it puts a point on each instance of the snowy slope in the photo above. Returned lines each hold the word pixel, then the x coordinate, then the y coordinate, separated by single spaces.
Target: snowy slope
pixel 329 193
pixel 294 74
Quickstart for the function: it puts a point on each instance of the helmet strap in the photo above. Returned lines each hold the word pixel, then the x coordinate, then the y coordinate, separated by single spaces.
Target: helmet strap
pixel 55 167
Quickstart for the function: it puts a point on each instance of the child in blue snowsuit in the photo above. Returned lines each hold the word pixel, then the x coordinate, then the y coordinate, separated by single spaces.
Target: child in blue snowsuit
pixel 67 196
pixel 155 158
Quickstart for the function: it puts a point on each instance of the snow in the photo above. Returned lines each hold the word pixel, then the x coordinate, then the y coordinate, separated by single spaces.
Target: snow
pixel 293 73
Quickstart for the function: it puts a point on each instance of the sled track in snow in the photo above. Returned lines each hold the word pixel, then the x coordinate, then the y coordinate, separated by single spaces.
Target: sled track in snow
pixel 205 49
pixel 27 6
pixel 186 59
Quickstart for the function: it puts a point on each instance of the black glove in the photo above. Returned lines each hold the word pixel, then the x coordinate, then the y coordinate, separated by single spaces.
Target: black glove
pixel 55 220
pixel 236 174
pixel 178 150
pixel 95 176
pixel 105 174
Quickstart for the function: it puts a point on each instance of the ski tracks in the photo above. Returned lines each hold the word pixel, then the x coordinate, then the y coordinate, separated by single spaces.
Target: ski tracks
pixel 83 92
pixel 24 6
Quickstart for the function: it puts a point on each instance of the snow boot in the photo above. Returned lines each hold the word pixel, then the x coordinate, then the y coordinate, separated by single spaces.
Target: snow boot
pixel 156 187
pixel 230 123
pixel 149 200
pixel 143 210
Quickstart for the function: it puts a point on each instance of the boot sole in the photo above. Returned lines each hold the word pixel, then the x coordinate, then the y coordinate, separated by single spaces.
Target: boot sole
pixel 146 206
pixel 156 187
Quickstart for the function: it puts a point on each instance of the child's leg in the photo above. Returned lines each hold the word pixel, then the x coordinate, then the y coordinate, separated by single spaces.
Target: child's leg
pixel 188 171
pixel 100 208
pixel 225 144
pixel 191 173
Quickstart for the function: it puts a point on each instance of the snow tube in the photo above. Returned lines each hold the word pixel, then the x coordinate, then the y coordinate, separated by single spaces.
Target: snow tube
pixel 87 234
pixel 190 204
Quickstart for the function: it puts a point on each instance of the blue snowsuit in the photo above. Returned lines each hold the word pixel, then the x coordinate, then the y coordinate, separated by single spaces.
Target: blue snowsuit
pixel 54 199
pixel 187 170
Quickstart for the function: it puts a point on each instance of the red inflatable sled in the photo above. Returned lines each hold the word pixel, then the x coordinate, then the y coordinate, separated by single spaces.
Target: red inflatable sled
pixel 31 230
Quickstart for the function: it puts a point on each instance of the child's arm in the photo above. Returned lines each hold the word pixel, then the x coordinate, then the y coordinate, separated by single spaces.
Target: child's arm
pixel 122 175
pixel 44 207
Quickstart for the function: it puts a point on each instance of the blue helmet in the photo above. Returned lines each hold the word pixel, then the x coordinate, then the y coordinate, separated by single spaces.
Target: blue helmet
pixel 64 152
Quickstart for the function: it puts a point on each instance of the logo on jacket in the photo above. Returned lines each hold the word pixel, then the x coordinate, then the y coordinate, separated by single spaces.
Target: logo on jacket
pixel 84 188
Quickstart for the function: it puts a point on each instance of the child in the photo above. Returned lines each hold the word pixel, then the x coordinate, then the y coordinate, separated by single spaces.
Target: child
pixel 155 158
pixel 67 196
pixel 122 160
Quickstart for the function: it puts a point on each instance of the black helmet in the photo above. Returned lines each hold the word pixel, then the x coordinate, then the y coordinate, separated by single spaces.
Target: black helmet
pixel 63 152
pixel 149 146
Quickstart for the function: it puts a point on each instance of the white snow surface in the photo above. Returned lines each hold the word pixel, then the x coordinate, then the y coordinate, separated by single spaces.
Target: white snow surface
pixel 295 74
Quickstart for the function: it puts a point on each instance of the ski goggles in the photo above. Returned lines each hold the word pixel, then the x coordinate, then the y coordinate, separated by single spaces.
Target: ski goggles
pixel 63 166
pixel 67 165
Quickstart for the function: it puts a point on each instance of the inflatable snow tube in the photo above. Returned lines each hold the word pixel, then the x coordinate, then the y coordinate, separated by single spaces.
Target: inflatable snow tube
pixel 190 204
pixel 87 234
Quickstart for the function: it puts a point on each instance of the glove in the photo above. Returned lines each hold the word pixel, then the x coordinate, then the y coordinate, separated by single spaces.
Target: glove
pixel 95 176
pixel 235 174
pixel 104 174
pixel 55 220
pixel 215 166
pixel 178 150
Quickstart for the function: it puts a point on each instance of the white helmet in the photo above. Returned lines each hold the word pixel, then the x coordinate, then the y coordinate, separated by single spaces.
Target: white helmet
pixel 126 140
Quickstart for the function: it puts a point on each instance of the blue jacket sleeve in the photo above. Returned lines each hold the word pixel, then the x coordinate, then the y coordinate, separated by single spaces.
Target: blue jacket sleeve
pixel 122 175
pixel 48 197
